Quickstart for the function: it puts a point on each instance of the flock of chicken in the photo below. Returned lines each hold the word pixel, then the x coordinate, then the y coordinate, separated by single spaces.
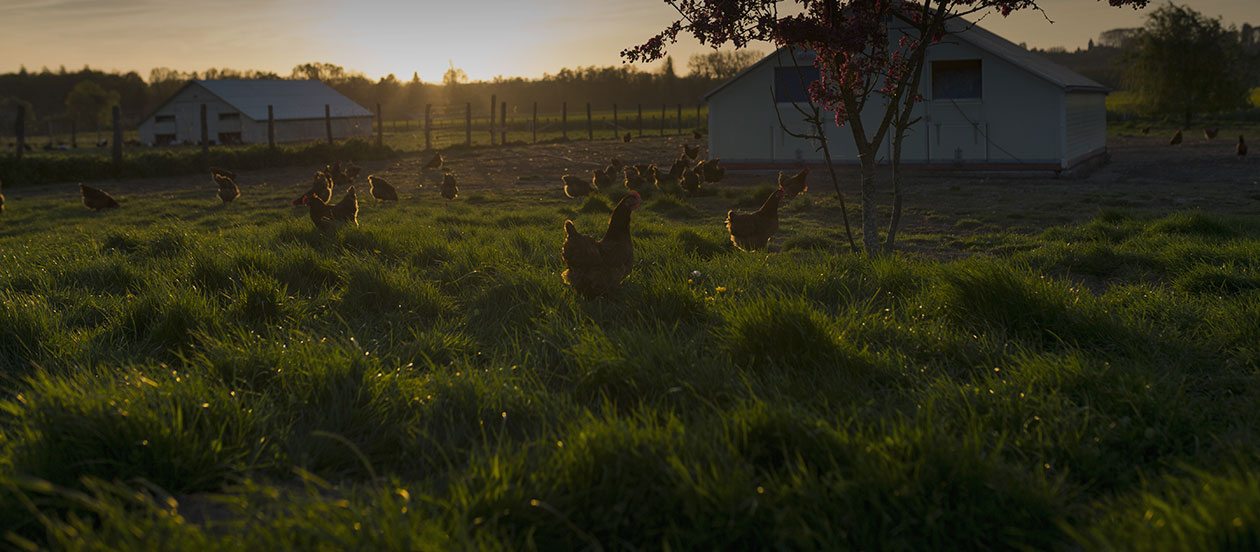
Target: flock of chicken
pixel 1208 134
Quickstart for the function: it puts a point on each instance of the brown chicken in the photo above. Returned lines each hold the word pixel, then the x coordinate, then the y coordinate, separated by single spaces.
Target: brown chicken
pixel 435 163
pixel 1210 133
pixel 380 189
pixel 326 217
pixel 690 182
pixel 215 171
pixel 663 182
pixel 449 189
pixel 227 186
pixel 680 165
pixel 595 268
pixel 795 185
pixel 1146 130
pixel 1176 139
pixel 752 231
pixel 97 199
pixel 633 180
pixel 1241 148
pixel 696 134
pixel 711 172
pixel 601 179
pixel 692 152
pixel 575 186
pixel 320 188
pixel 627 138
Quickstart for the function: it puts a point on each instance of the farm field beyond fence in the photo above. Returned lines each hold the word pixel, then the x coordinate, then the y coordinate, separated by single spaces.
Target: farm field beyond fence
pixel 1047 364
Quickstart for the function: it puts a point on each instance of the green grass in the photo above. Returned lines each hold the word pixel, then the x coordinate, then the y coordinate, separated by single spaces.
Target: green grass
pixel 426 381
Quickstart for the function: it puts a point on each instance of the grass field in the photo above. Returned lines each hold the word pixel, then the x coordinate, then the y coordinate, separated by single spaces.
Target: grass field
pixel 183 375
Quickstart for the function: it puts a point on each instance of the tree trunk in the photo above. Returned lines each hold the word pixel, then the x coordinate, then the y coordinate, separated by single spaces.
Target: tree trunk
pixel 870 216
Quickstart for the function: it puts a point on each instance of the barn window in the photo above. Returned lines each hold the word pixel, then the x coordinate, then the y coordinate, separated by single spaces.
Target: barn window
pixel 956 80
pixel 164 119
pixel 791 84
pixel 229 116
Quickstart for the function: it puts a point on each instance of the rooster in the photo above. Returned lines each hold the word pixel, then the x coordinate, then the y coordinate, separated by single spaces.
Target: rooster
pixel 320 188
pixel 1176 139
pixel 576 186
pixel 595 268
pixel 633 180
pixel 380 189
pixel 710 172
pixel 449 189
pixel 1241 148
pixel 794 185
pixel 226 184
pixel 692 152
pixel 97 199
pixel 435 163
pixel 1210 133
pixel 601 179
pixel 627 138
pixel 752 231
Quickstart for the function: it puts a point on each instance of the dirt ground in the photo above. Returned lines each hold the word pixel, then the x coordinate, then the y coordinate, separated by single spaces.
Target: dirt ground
pixel 1144 174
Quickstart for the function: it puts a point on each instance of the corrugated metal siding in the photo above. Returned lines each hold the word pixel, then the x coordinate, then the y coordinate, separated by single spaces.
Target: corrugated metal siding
pixel 1086 125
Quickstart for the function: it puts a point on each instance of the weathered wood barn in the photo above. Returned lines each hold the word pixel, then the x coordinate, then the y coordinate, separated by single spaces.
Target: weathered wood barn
pixel 987 103
pixel 236 113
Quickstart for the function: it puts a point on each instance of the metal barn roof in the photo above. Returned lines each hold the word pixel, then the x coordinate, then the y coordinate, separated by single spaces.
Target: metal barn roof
pixel 290 99
pixel 977 36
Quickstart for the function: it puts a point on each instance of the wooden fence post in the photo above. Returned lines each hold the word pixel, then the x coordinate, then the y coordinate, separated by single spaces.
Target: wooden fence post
pixel 493 103
pixel 616 127
pixel 428 122
pixel 468 124
pixel 679 118
pixel 698 116
pixel 503 123
pixel 533 127
pixel 19 128
pixel 118 133
pixel 640 119
pixel 380 128
pixel 205 137
pixel 271 127
pixel 564 120
pixel 328 123
pixel 662 119
pixel 590 129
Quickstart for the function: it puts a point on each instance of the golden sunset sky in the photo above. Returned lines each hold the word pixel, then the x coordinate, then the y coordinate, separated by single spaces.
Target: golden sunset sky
pixel 484 37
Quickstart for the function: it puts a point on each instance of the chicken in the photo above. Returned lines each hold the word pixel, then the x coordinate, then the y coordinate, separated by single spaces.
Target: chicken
pixel 794 185
pixel 752 231
pixel 326 216
pixel 595 268
pixel 227 185
pixel 663 182
pixel 711 172
pixel 601 179
pixel 1176 139
pixel 97 199
pixel 680 165
pixel 320 188
pixel 1146 130
pixel 627 138
pixel 336 175
pixel 696 134
pixel 690 182
pixel 1 199
pixel 449 189
pixel 1241 148
pixel 616 165
pixel 575 186
pixel 435 163
pixel 215 171
pixel 380 189
pixel 633 180
pixel 692 152
pixel 1210 133
pixel 352 172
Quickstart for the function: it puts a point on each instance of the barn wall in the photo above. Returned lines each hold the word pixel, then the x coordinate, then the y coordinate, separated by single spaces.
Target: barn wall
pixel 186 107
pixel 1019 119
pixel 1086 126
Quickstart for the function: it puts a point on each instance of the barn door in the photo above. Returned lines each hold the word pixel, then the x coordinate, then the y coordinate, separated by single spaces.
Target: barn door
pixel 187 121
pixel 959 142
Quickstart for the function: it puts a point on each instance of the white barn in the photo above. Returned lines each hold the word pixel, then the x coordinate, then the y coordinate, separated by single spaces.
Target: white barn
pixel 236 113
pixel 987 104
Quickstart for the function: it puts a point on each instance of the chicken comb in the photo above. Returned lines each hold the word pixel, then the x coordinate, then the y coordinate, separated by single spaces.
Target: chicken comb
pixel 635 194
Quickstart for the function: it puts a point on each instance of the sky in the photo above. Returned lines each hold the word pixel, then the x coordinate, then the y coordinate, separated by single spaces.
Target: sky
pixel 485 38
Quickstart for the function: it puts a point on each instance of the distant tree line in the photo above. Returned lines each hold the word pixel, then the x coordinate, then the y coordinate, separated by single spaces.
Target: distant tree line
pixel 86 96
